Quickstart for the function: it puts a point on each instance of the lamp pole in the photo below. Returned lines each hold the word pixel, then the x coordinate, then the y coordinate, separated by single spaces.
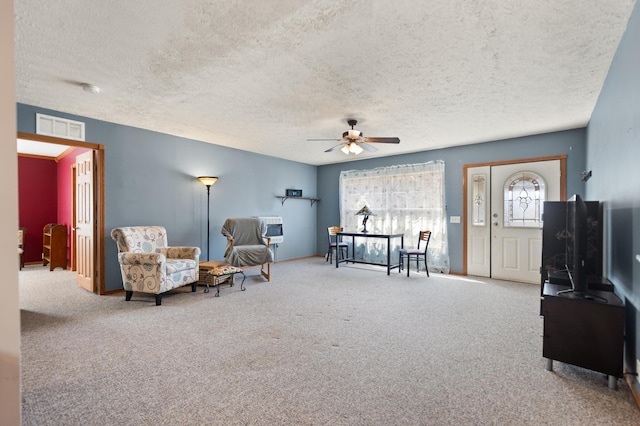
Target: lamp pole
pixel 208 181
pixel 208 216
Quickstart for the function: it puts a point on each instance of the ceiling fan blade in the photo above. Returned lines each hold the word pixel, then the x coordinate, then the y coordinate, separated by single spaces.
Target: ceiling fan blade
pixel 368 147
pixel 382 140
pixel 323 140
pixel 334 147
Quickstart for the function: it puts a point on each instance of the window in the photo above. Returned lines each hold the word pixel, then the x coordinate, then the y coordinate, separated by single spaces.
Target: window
pixel 479 209
pixel 524 195
pixel 404 199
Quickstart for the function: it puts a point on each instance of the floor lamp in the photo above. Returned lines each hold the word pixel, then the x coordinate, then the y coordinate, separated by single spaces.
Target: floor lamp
pixel 208 181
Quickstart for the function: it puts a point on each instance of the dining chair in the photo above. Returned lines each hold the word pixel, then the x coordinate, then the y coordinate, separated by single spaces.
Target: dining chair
pixel 418 253
pixel 335 244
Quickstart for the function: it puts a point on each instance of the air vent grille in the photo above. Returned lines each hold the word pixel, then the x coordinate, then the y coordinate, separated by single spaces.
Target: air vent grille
pixel 59 127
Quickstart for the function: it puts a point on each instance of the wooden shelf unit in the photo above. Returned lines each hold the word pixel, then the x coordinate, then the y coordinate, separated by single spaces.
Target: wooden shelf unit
pixel 54 246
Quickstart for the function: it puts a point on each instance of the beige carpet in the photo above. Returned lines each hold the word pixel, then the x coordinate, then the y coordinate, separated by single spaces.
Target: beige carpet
pixel 315 346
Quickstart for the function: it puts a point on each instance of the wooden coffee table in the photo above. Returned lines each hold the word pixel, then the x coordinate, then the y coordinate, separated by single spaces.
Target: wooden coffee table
pixel 216 272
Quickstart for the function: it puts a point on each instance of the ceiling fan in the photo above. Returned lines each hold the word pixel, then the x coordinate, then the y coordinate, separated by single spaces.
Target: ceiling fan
pixel 354 142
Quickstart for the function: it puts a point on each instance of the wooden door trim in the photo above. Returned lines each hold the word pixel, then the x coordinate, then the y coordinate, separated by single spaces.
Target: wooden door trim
pixel 465 167
pixel 99 253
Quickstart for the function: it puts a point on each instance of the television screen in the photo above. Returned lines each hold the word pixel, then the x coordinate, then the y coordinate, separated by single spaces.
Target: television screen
pixel 576 244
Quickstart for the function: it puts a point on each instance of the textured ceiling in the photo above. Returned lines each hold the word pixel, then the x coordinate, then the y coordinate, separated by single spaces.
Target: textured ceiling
pixel 264 76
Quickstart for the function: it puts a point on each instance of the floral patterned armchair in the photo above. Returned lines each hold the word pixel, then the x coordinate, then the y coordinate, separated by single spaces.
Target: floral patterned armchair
pixel 149 265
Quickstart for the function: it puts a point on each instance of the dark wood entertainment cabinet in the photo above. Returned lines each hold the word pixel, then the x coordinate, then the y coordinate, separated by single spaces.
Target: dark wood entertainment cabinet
pixel 588 333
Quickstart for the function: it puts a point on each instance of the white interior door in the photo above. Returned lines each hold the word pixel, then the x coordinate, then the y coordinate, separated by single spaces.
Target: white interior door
pixel 504 230
pixel 85 221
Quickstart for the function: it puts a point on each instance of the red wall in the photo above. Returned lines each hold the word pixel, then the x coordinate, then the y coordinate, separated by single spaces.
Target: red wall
pixel 45 189
pixel 38 201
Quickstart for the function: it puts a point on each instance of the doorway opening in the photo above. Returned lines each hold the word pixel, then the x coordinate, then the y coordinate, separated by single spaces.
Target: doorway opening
pixel 97 252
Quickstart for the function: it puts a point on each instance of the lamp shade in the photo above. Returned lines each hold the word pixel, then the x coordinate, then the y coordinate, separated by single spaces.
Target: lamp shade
pixel 355 148
pixel 365 212
pixel 208 180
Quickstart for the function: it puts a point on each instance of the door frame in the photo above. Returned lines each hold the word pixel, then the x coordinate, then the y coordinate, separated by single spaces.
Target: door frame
pixel 73 218
pixel 465 167
pixel 99 254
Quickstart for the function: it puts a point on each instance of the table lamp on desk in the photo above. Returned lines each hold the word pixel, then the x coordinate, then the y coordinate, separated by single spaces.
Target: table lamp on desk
pixel 366 213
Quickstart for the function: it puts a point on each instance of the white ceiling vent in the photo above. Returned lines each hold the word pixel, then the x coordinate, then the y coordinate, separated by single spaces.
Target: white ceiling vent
pixel 59 127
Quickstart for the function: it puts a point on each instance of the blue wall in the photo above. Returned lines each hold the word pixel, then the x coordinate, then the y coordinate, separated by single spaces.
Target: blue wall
pixel 150 179
pixel 570 142
pixel 613 155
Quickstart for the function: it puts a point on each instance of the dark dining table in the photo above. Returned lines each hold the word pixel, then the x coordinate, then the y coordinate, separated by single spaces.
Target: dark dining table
pixel 387 237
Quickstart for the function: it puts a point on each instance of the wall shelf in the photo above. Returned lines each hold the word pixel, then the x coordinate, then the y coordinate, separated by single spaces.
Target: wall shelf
pixel 284 198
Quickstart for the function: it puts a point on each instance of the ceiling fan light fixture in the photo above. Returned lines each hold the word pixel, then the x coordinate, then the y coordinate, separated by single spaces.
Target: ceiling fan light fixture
pixel 354 134
pixel 352 140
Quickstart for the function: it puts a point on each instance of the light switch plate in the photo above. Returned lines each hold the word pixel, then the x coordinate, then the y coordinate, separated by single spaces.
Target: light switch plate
pixel 454 219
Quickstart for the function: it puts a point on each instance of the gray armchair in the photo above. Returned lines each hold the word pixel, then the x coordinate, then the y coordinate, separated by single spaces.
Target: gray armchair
pixel 247 244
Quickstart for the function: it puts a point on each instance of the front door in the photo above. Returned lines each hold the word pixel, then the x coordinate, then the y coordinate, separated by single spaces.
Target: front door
pixel 85 220
pixel 504 218
pixel 518 192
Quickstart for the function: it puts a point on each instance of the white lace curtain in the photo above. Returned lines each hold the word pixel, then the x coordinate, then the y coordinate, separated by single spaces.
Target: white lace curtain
pixel 405 199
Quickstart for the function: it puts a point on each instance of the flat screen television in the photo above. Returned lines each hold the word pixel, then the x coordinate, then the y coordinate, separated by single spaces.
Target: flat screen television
pixel 576 245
